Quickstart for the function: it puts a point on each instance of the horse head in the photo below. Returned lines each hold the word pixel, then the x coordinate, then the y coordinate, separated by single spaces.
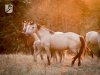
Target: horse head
pixel 32 27
pixel 24 23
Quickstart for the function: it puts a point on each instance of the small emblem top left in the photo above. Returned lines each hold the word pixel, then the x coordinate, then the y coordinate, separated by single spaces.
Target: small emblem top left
pixel 8 8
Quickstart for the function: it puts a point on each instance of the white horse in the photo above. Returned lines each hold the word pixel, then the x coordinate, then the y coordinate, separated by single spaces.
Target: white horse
pixel 37 44
pixel 93 37
pixel 63 41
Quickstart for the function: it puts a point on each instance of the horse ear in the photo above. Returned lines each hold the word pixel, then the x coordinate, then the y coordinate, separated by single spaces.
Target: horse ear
pixel 38 26
pixel 24 21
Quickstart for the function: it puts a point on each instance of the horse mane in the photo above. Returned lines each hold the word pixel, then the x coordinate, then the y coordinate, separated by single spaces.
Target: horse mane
pixel 50 31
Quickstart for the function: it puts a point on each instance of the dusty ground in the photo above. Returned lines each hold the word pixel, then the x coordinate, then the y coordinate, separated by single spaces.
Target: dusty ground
pixel 19 64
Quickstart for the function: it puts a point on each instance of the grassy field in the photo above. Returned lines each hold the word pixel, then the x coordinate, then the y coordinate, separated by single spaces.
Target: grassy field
pixel 19 64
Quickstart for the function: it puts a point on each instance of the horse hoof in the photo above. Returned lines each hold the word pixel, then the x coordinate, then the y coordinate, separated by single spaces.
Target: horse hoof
pixel 79 64
pixel 72 63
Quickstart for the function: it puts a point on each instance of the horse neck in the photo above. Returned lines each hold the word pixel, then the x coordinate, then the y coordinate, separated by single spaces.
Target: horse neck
pixel 35 36
pixel 43 32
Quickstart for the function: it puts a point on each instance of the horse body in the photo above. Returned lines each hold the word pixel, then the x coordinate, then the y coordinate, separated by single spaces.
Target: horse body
pixel 38 48
pixel 92 37
pixel 70 40
pixel 55 40
pixel 36 44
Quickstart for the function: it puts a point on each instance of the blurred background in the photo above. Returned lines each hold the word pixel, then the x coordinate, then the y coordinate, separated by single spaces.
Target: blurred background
pixel 78 16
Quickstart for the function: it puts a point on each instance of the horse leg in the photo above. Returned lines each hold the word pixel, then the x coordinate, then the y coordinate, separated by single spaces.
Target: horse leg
pixel 52 54
pixel 55 55
pixel 48 60
pixel 99 54
pixel 36 52
pixel 60 55
pixel 48 54
pixel 91 52
pixel 32 50
pixel 63 55
pixel 79 62
pixel 41 56
pixel 74 60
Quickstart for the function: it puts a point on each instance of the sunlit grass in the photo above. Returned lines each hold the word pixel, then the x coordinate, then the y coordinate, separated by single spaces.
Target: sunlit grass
pixel 19 64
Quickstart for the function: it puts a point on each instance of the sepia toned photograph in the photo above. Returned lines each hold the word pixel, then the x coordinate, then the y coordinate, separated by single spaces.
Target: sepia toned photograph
pixel 49 37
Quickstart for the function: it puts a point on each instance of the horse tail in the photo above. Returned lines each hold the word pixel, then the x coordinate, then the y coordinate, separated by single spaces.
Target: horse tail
pixel 80 51
pixel 82 47
pixel 83 44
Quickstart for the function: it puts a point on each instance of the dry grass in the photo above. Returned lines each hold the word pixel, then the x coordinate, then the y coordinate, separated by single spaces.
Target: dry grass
pixel 19 64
